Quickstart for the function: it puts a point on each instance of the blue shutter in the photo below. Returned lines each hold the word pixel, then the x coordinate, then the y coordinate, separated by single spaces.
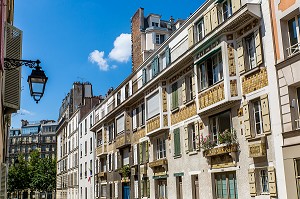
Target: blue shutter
pixel 168 56
pixel 144 76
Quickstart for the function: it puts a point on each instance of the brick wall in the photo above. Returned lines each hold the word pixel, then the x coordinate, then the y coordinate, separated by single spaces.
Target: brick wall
pixel 136 53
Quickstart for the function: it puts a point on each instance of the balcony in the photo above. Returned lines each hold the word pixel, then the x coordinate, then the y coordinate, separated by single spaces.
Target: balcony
pixel 184 113
pixel 158 163
pixel 123 140
pixel 101 150
pixel 292 50
pixel 220 150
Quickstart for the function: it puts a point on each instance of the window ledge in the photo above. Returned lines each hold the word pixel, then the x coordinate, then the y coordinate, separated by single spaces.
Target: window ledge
pixel 193 153
pixel 252 70
pixel 189 102
pixel 177 156
pixel 175 110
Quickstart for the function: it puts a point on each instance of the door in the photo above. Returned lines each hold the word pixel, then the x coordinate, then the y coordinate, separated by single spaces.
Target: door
pixel 126 192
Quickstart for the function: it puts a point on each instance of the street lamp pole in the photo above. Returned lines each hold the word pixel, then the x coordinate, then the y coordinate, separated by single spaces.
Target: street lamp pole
pixel 37 80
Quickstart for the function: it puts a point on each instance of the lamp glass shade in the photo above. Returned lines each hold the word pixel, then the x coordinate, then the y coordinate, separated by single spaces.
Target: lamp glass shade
pixel 37 82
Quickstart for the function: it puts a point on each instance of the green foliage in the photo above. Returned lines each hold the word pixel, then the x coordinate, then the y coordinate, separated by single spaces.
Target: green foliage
pixel 228 137
pixel 125 171
pixel 36 174
pixel 207 142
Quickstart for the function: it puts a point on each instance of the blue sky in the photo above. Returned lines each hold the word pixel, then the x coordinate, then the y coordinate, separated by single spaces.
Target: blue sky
pixel 80 40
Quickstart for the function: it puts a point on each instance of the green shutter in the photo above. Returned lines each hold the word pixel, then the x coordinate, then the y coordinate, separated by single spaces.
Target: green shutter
pixel 141 153
pixel 157 65
pixel 186 139
pixel 142 187
pixel 148 188
pixel 147 151
pixel 174 95
pixel 177 142
pixel 168 56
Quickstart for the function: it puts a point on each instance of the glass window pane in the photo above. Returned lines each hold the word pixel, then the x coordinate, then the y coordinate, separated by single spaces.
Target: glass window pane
pixel 224 187
pixel 231 181
pixel 292 31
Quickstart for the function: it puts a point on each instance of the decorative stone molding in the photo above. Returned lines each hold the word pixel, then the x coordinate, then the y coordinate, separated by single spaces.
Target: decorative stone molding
pixel 231 60
pixel 101 150
pixel 138 135
pixel 153 124
pixel 181 73
pixel 255 81
pixel 122 140
pixel 152 89
pixel 184 113
pixel 221 161
pixel 157 163
pixel 233 88
pixel 164 100
pixel 257 150
pixel 220 150
pixel 165 117
pixel 211 96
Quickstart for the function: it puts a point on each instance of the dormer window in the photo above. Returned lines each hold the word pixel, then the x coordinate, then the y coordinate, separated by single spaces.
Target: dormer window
pixel 159 39
pixel 225 10
pixel 154 24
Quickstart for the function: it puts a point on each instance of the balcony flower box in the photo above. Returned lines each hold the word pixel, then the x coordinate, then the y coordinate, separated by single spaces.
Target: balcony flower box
pixel 221 149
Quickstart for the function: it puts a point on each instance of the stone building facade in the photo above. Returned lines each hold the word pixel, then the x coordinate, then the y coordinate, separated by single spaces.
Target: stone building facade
pixel 198 118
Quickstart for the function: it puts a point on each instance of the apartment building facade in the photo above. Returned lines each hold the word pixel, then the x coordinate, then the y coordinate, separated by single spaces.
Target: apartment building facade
pixel 198 117
pixel 86 157
pixel 32 136
pixel 77 104
pixel 286 38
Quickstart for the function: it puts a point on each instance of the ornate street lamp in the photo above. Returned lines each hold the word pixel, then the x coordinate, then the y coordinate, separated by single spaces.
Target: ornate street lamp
pixel 37 80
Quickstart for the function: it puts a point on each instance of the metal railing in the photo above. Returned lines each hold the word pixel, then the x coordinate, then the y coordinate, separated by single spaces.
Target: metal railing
pixel 294 49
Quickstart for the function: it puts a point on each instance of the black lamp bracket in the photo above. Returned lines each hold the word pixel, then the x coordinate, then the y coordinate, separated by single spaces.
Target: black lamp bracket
pixel 11 64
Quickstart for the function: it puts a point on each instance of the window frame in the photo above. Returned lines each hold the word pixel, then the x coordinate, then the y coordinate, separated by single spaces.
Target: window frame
pixel 192 137
pixel 200 34
pixel 250 46
pixel 215 124
pixel 160 148
pixel 216 184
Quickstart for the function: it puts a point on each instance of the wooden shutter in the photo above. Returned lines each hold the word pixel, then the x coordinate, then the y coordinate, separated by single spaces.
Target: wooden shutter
pixel 177 142
pixel 258 49
pixel 236 4
pixel 148 188
pixel 252 184
pixel 246 116
pixel 214 17
pixel 186 139
pixel 191 35
pixel 174 95
pixel 240 54
pixel 141 153
pixel 2 180
pixel 142 187
pixel 12 78
pixel 183 89
pixel 193 84
pixel 265 113
pixel 147 151
pixel 197 133
pixel 168 56
pixel 207 23
pixel 272 181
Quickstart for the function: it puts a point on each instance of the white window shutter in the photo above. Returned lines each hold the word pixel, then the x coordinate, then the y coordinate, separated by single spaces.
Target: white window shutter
pixel 214 17
pixel 236 4
pixel 258 49
pixel 183 86
pixel 12 78
pixel 246 117
pixel 135 155
pixel 116 190
pixel 240 54
pixel 207 23
pixel 191 36
pixel 116 160
pixel 186 139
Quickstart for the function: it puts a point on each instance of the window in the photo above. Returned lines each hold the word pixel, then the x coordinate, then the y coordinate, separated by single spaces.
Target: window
pixel 160 148
pixel 111 132
pixel 159 39
pixel 154 24
pixel 119 98
pixel 103 190
pixel 219 124
pixel 120 124
pixel 175 95
pixel 85 126
pixel 135 118
pixel 80 150
pixel 195 187
pixel 162 189
pixel 127 91
pixel 144 76
pixel 250 46
pixel 152 108
pixel 177 148
pixel 91 145
pixel 179 187
pixel 99 138
pixel 143 115
pixel 224 10
pixel 91 168
pixel 192 137
pixel 85 148
pixel 297 173
pixel 294 35
pixel 91 120
pixel 226 186
pixel 125 156
pixel 145 187
pixel 189 87
pixel 264 183
pixel 85 169
pixel 200 30
pixel 210 71
pixel 155 67
pixel 257 117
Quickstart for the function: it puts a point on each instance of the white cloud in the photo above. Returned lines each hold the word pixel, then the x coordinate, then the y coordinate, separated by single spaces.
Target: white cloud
pixel 98 57
pixel 122 48
pixel 25 112
pixel 114 66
